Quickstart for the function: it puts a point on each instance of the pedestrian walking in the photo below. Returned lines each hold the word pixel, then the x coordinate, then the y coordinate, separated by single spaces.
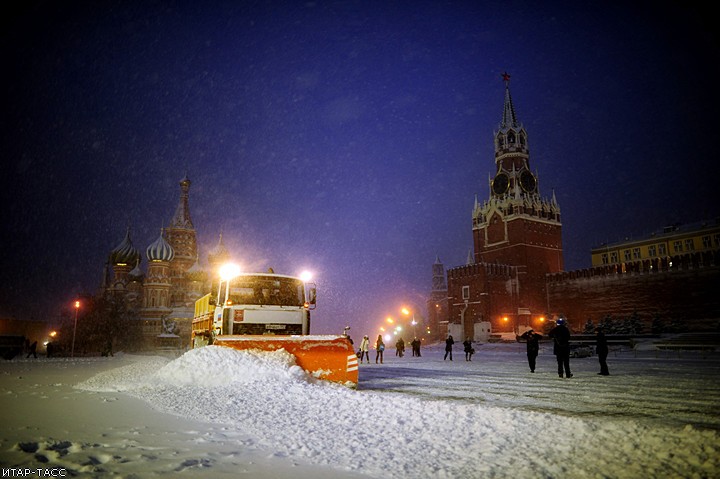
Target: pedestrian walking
pixel 601 347
pixel 448 347
pixel 533 346
pixel 469 350
pixel 364 349
pixel 561 347
pixel 380 346
pixel 400 347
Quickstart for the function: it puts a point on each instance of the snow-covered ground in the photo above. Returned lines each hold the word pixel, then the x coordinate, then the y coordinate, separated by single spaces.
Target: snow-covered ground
pixel 217 412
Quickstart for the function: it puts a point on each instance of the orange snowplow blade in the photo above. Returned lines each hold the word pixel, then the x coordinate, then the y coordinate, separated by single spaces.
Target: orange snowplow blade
pixel 331 358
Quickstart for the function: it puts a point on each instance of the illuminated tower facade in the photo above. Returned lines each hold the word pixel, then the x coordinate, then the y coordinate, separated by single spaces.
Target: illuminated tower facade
pixel 517 239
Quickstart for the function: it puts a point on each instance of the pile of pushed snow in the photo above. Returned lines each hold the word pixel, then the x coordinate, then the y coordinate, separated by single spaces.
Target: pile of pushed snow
pixel 216 366
pixel 208 367
pixel 126 378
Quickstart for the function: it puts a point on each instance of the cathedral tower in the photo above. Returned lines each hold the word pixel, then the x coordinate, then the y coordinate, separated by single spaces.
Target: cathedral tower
pixel 181 237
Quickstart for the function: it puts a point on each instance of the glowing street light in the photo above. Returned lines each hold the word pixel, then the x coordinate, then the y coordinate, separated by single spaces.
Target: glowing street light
pixel 306 276
pixel 406 312
pixel 72 349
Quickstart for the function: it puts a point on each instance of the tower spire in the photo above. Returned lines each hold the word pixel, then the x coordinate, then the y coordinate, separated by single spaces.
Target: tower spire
pixel 509 120
pixel 181 219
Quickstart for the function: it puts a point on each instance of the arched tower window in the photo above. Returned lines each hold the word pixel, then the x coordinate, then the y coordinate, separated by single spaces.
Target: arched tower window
pixel 500 142
pixel 511 138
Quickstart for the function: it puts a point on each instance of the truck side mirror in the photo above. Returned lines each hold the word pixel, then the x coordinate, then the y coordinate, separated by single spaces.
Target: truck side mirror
pixel 312 294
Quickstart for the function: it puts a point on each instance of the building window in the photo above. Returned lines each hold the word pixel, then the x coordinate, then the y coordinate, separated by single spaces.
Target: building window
pixel 604 258
pixel 689 245
pixel 626 255
pixel 613 257
pixel 466 292
pixel 707 244
pixel 652 251
pixel 636 253
pixel 677 246
pixel 716 241
pixel 661 249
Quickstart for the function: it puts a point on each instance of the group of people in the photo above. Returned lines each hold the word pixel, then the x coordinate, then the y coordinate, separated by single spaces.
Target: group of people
pixel 467 348
pixel 364 349
pixel 561 348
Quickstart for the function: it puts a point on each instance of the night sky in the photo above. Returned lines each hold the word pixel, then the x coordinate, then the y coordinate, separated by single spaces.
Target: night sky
pixel 349 138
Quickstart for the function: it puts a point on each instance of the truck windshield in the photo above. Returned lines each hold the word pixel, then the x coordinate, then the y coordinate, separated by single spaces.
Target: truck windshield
pixel 271 290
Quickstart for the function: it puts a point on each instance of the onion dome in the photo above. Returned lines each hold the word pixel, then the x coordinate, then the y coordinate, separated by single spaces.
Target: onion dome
pixel 136 272
pixel 195 272
pixel 219 253
pixel 160 250
pixel 125 252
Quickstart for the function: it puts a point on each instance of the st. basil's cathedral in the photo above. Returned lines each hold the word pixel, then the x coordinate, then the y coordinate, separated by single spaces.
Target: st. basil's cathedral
pixel 164 298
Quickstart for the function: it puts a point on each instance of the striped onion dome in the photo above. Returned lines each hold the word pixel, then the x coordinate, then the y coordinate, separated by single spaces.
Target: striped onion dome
pixel 125 252
pixel 160 250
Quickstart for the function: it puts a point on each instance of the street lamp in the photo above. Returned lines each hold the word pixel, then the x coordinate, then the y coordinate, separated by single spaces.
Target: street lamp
pixel 72 350
pixel 406 312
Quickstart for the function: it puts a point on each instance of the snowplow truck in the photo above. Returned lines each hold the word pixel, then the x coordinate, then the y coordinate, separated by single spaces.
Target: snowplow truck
pixel 268 312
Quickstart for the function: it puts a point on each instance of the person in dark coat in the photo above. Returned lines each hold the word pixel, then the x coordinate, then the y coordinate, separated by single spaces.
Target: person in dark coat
pixel 415 343
pixel 448 347
pixel 33 350
pixel 561 348
pixel 601 347
pixel 469 350
pixel 400 347
pixel 533 346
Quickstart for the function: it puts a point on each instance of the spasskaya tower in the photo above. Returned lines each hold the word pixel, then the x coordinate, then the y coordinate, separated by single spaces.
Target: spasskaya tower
pixel 517 239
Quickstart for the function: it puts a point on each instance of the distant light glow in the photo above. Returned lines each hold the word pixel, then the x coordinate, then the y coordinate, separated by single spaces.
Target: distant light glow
pixel 306 276
pixel 77 304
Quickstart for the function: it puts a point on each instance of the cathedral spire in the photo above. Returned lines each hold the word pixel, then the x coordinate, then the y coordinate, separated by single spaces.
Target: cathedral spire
pixel 181 219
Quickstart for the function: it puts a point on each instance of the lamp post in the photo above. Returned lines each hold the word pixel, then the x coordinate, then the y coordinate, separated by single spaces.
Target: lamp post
pixel 72 350
pixel 406 312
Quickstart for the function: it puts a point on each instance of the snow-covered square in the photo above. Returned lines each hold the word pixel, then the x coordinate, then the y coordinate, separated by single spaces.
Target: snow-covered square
pixel 218 412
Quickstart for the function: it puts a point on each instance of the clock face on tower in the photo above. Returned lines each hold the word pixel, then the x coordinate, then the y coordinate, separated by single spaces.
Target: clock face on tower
pixel 500 184
pixel 528 181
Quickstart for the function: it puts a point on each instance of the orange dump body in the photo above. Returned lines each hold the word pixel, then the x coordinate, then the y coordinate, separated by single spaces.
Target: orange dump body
pixel 331 358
